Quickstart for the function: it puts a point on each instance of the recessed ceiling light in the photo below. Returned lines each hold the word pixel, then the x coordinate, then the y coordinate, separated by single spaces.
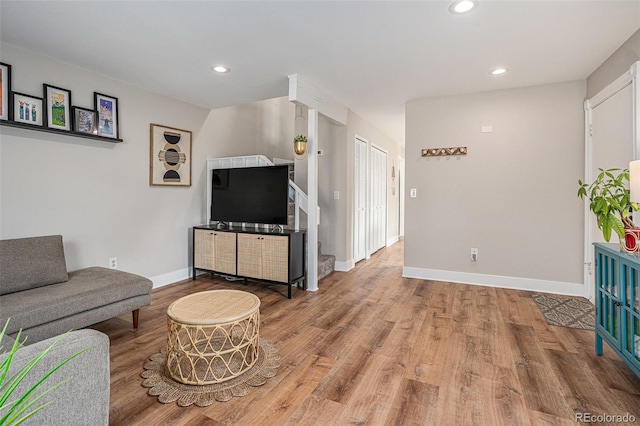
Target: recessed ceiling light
pixel 498 71
pixel 462 6
pixel 220 68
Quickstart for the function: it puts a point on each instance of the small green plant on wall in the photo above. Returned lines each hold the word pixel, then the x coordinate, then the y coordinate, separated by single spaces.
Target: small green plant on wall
pixel 300 144
pixel 610 201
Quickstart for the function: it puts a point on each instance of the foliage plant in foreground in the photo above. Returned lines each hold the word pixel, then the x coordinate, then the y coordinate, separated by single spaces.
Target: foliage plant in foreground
pixel 15 409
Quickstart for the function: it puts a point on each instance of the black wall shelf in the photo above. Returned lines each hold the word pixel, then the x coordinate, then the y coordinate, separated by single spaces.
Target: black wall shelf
pixel 58 132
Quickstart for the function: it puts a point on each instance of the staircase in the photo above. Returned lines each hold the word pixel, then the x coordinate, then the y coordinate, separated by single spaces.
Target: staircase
pixel 297 200
pixel 326 263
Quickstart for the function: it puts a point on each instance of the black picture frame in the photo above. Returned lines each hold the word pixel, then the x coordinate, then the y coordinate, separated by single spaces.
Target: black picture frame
pixel 84 120
pixel 57 107
pixel 27 109
pixel 107 109
pixel 6 101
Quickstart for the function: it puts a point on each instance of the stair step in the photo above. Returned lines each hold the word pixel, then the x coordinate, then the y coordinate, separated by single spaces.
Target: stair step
pixel 326 265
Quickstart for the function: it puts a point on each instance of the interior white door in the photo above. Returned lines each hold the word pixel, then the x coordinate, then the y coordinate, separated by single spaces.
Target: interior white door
pixel 378 227
pixel 360 201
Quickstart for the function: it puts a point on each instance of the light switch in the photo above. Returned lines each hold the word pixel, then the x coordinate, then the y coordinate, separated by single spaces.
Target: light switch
pixel 486 129
pixel 414 193
pixel 336 195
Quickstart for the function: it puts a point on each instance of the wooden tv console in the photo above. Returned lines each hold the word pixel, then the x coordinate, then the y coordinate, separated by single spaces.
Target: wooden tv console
pixel 249 253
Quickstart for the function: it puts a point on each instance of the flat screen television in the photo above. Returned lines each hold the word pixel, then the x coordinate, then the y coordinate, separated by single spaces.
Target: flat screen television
pixel 250 194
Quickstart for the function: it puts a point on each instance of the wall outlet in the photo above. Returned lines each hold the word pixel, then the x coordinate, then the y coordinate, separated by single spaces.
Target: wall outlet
pixel 474 254
pixel 113 262
pixel 413 193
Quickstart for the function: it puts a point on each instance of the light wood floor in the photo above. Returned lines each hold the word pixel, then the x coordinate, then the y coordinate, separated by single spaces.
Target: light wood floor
pixel 371 347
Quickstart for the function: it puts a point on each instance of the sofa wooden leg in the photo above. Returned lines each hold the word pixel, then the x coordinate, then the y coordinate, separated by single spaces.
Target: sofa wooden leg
pixel 135 318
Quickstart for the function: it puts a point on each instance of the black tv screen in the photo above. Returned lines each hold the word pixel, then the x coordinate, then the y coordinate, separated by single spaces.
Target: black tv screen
pixel 250 194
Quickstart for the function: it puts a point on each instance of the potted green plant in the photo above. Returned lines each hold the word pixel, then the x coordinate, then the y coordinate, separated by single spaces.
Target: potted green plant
pixel 300 144
pixel 610 201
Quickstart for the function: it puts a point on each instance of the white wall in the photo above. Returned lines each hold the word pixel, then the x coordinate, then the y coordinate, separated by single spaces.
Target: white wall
pixel 331 232
pixel 97 194
pixel 513 196
pixel 263 127
pixel 617 64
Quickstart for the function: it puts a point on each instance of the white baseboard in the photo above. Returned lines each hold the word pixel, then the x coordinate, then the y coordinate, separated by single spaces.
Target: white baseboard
pixel 516 283
pixel 391 241
pixel 170 277
pixel 345 266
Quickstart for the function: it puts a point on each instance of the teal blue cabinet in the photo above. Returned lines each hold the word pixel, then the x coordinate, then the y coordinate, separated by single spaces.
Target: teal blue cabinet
pixel 618 303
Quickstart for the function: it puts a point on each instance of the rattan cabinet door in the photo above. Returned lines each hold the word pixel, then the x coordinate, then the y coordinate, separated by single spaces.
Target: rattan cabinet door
pixel 225 252
pixel 203 254
pixel 275 258
pixel 250 255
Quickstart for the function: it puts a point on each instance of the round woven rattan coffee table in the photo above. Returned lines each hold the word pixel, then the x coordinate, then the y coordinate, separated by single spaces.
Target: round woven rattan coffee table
pixel 213 336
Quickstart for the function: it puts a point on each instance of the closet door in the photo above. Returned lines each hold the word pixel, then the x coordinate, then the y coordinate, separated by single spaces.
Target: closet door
pixel 378 228
pixel 360 200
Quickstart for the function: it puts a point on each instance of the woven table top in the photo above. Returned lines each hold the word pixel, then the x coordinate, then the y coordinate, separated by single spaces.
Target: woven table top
pixel 213 307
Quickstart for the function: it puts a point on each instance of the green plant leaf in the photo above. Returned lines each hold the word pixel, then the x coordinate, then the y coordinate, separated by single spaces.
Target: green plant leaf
pixel 582 192
pixel 616 225
pixel 606 228
pixel 16 409
pixel 614 203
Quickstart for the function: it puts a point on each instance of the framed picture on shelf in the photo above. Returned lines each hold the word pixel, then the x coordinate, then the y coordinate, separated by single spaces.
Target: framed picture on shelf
pixel 85 120
pixel 57 103
pixel 170 159
pixel 107 110
pixel 5 91
pixel 27 109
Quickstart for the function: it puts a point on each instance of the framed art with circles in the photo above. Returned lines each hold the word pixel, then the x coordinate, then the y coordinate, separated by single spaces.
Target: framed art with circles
pixel 170 157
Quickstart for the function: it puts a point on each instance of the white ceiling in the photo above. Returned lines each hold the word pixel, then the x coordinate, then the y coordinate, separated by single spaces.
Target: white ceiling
pixel 371 56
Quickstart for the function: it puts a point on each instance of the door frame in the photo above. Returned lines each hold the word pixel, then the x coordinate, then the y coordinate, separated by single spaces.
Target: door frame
pixel 400 193
pixel 359 139
pixel 626 79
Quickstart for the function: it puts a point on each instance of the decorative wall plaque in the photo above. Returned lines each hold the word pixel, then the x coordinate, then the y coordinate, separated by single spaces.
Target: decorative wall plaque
pixel 437 152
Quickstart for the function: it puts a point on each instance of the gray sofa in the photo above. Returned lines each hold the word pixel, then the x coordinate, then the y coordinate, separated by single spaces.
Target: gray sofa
pixel 43 300
pixel 84 398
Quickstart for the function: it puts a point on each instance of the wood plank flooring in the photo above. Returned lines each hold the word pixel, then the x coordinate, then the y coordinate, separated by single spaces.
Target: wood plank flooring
pixel 371 347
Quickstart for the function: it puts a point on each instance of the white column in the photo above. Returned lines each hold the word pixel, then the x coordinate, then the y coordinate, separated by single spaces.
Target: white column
pixel 312 194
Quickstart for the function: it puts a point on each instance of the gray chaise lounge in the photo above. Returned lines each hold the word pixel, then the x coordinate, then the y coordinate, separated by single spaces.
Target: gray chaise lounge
pixel 84 398
pixel 43 300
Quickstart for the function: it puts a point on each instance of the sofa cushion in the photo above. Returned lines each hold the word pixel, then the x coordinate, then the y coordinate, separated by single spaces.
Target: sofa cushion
pixel 6 343
pixel 27 263
pixel 83 395
pixel 86 289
